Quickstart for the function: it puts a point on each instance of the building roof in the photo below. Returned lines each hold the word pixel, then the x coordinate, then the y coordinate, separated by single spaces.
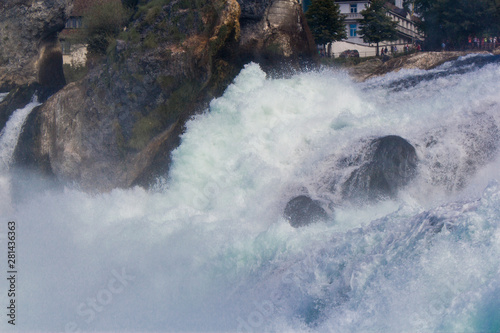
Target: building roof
pixel 399 11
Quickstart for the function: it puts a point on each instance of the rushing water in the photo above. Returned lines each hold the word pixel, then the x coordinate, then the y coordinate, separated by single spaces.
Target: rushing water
pixel 10 133
pixel 209 250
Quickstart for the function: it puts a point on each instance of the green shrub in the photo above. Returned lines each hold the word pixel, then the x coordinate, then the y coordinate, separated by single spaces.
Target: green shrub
pixel 103 21
pixel 152 14
pixel 150 42
pixel 130 35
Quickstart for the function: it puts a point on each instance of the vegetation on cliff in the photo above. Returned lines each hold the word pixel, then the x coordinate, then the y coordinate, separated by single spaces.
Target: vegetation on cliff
pixel 103 20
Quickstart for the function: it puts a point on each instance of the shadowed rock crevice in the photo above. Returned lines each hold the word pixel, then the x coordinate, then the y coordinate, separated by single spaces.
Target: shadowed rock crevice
pixel 50 66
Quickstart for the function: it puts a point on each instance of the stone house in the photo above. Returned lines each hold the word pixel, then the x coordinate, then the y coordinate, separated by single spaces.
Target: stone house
pixel 73 49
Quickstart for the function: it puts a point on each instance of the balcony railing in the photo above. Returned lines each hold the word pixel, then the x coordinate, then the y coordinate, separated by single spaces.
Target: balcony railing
pixel 354 16
pixel 409 32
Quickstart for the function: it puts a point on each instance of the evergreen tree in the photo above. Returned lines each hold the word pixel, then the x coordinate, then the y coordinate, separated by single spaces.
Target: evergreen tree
pixel 376 26
pixel 326 22
pixel 457 20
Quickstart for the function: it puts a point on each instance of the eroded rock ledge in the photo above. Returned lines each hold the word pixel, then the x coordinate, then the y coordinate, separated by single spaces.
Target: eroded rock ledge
pixel 423 60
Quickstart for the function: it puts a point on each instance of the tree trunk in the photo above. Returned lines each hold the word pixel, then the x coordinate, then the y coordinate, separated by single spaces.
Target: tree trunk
pixel 377 50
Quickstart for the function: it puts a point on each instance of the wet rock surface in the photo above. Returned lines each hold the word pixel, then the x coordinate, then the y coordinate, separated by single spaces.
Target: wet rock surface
pixel 391 163
pixel 302 210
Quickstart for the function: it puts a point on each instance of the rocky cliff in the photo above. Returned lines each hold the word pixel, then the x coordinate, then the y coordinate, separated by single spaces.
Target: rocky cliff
pixel 117 126
pixel 274 28
pixel 29 51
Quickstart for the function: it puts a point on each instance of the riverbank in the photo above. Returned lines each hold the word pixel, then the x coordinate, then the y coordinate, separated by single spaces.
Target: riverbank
pixel 423 60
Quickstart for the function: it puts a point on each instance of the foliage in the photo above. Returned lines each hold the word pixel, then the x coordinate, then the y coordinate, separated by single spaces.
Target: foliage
pixel 73 72
pixel 130 3
pixel 454 21
pixel 376 26
pixel 326 22
pixel 103 20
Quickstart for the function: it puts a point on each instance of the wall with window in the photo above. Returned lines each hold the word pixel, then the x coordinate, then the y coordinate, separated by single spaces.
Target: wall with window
pixel 74 22
pixel 353 30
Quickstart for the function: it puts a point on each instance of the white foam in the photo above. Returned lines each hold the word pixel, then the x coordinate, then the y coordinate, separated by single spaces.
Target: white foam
pixel 10 133
pixel 210 250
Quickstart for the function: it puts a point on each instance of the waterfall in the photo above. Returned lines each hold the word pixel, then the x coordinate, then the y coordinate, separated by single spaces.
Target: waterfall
pixel 2 96
pixel 209 249
pixel 10 133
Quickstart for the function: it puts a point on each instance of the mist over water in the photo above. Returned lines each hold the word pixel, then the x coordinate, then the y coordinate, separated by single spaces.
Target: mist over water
pixel 208 249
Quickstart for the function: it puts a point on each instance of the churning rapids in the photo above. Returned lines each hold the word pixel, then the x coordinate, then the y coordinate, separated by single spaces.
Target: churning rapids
pixel 208 249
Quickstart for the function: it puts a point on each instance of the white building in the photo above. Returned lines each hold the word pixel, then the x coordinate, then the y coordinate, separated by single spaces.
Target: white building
pixel 407 30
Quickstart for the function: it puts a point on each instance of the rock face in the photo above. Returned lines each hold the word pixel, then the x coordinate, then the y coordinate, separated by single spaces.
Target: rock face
pixel 16 99
pixel 390 164
pixel 86 147
pixel 28 42
pixel 302 211
pixel 274 29
pixel 424 60
pixel 117 126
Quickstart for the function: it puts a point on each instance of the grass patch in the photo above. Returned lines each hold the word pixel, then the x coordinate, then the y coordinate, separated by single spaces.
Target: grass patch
pixel 73 73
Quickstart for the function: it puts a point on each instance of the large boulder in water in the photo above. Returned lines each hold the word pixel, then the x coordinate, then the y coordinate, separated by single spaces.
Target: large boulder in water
pixel 390 164
pixel 302 210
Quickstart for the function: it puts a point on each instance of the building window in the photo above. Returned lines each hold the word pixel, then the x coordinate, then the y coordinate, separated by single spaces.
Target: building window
pixel 354 8
pixel 66 47
pixel 353 30
pixel 74 23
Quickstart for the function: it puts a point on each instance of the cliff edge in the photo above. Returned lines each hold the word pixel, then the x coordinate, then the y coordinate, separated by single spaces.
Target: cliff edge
pixel 117 126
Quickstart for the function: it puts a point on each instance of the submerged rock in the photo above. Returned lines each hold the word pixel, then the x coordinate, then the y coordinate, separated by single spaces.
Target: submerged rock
pixel 390 164
pixel 302 211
